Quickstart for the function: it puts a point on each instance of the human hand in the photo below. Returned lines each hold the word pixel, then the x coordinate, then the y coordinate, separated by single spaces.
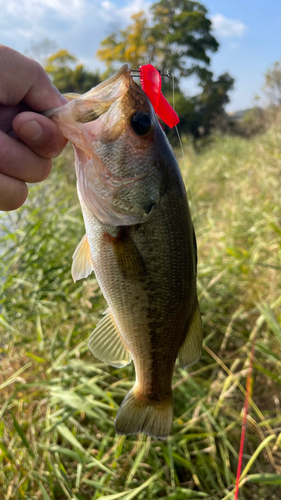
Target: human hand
pixel 28 140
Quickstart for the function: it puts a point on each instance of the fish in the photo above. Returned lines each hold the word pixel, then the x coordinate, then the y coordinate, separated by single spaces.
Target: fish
pixel 140 243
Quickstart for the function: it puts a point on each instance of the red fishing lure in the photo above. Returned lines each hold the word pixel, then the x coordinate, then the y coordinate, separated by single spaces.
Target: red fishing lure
pixel 151 84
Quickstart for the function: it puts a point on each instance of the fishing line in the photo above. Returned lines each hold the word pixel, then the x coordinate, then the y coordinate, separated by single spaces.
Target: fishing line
pixel 150 78
pixel 184 156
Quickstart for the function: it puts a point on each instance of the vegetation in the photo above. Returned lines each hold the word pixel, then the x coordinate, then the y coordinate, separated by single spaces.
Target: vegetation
pixel 180 33
pixel 58 403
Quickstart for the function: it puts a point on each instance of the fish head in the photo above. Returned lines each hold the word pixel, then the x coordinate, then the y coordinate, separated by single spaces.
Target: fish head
pixel 120 149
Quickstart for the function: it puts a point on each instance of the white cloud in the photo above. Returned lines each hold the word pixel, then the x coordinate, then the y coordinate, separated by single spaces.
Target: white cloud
pixel 38 8
pixel 77 25
pixel 81 22
pixel 107 5
pixel 227 27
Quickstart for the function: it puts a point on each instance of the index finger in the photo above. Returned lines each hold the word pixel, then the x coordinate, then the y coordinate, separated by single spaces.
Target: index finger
pixel 31 85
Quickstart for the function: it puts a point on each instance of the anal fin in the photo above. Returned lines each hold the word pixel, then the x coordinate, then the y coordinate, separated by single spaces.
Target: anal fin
pixel 107 344
pixel 191 348
pixel 82 264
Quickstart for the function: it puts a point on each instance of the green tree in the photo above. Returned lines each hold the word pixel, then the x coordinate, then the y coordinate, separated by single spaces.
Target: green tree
pixel 209 105
pixel 178 39
pixel 67 75
pixel 183 35
pixel 204 111
pixel 180 32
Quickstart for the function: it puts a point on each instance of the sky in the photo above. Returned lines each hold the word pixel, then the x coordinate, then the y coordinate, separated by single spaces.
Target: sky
pixel 248 31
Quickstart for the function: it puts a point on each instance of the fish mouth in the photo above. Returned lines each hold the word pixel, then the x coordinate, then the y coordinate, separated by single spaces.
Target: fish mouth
pixel 93 104
pixel 125 68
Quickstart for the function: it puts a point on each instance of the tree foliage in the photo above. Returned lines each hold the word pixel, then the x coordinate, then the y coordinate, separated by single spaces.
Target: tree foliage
pixel 67 75
pixel 183 35
pixel 209 105
pixel 200 113
pixel 178 39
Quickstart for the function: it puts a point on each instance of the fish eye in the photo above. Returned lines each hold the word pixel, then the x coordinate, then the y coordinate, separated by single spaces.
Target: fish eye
pixel 141 123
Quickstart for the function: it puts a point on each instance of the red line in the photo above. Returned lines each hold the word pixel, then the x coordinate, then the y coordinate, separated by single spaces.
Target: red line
pixel 244 423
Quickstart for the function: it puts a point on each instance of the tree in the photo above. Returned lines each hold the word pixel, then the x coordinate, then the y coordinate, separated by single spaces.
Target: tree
pixel 179 32
pixel 272 86
pixel 209 105
pixel 183 33
pixel 68 76
pixel 178 39
pixel 204 111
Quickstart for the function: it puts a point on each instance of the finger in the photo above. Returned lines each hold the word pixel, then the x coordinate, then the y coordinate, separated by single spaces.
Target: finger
pixel 19 161
pixel 31 84
pixel 13 193
pixel 39 133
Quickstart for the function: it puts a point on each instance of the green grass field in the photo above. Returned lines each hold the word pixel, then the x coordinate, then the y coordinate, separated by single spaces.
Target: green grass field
pixel 57 403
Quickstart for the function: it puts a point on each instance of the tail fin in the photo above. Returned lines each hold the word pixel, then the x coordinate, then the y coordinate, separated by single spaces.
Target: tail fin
pixel 137 414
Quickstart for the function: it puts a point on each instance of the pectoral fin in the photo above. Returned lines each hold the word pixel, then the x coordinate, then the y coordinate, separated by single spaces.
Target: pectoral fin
pixel 191 348
pixel 129 259
pixel 82 264
pixel 107 344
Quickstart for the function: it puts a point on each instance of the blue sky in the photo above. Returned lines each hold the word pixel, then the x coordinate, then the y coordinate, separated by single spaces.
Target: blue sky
pixel 249 33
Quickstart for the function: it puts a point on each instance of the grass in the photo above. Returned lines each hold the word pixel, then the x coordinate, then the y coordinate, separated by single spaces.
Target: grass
pixel 57 403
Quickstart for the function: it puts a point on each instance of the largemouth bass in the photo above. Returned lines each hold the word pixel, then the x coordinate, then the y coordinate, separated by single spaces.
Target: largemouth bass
pixel 140 243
